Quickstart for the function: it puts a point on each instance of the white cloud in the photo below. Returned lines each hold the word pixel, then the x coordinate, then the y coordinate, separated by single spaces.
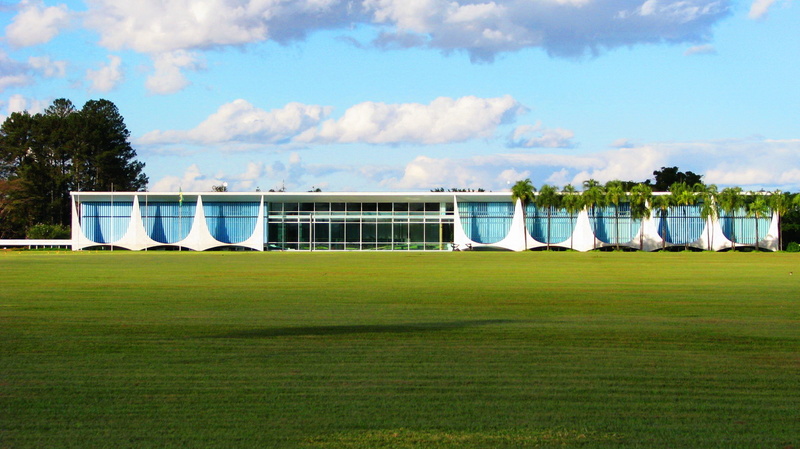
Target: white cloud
pixel 749 163
pixel 622 143
pixel 566 28
pixel 700 50
pixel 254 175
pixel 36 24
pixel 240 121
pixel 47 67
pixel 444 120
pixel 760 8
pixel 19 103
pixel 107 77
pixel 192 180
pixel 248 180
pixel 482 29
pixel 536 136
pixel 13 73
pixel 157 26
pixel 168 77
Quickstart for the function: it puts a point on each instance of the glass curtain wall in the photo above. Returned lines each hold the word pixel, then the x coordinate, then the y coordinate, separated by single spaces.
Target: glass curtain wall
pixel 231 222
pixel 486 222
pixel 614 227
pixel 166 221
pixel 740 228
pixel 560 223
pixel 326 226
pixel 682 226
pixel 105 221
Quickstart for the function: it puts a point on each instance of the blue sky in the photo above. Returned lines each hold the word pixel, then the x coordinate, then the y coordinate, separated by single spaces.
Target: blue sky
pixel 410 95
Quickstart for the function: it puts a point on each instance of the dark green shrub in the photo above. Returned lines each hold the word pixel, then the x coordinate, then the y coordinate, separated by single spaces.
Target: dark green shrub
pixel 46 231
pixel 793 247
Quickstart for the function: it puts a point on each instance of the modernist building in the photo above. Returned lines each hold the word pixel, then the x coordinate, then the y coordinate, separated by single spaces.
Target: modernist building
pixel 422 221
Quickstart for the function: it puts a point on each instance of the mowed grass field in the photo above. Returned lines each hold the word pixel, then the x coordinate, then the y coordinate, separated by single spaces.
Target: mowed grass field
pixel 399 350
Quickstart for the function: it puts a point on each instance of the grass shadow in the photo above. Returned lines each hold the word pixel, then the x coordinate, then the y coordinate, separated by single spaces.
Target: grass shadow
pixel 312 331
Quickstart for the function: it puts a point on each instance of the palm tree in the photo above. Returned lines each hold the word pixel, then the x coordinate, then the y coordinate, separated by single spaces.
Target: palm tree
pixel 731 200
pixel 709 209
pixel 757 208
pixel 682 196
pixel 780 203
pixel 641 197
pixel 548 198
pixel 573 203
pixel 522 191
pixel 663 203
pixel 615 194
pixel 594 197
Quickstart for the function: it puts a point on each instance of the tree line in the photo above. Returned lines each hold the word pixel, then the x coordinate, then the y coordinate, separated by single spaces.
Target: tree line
pixel 643 202
pixel 45 156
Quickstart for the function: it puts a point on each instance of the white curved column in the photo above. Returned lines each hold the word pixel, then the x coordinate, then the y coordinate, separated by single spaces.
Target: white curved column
pixel 256 239
pixel 136 237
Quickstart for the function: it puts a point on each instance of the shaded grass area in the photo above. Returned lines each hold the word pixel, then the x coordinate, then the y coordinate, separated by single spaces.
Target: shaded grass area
pixel 464 350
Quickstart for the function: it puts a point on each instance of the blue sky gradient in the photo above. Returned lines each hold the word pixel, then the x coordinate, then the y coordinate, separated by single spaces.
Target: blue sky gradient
pixel 387 95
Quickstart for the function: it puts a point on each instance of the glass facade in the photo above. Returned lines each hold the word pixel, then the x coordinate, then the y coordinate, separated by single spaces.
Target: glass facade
pixel 168 222
pixel 682 225
pixel 231 222
pixel 486 222
pixel 379 221
pixel 740 228
pixel 614 226
pixel 553 227
pixel 359 226
pixel 106 221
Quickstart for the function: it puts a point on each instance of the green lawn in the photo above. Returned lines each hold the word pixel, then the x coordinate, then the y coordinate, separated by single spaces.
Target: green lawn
pixel 399 350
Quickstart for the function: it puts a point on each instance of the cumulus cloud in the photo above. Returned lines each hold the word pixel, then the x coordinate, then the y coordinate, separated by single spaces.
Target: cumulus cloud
pixel 760 8
pixel 564 28
pixel 107 77
pixel 36 24
pixel 750 163
pixel 13 73
pixel 240 121
pixel 168 77
pixel 20 103
pixel 536 136
pixel 482 29
pixel 444 120
pixel 158 26
pixel 192 180
pixel 47 67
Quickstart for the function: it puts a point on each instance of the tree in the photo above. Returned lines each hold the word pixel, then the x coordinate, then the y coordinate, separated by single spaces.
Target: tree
pixel 709 208
pixel 731 200
pixel 572 203
pixel 641 197
pixel 662 203
pixel 105 155
pixel 780 203
pixel 615 194
pixel 45 156
pixel 757 208
pixel 548 198
pixel 682 196
pixel 593 197
pixel 670 175
pixel 522 191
